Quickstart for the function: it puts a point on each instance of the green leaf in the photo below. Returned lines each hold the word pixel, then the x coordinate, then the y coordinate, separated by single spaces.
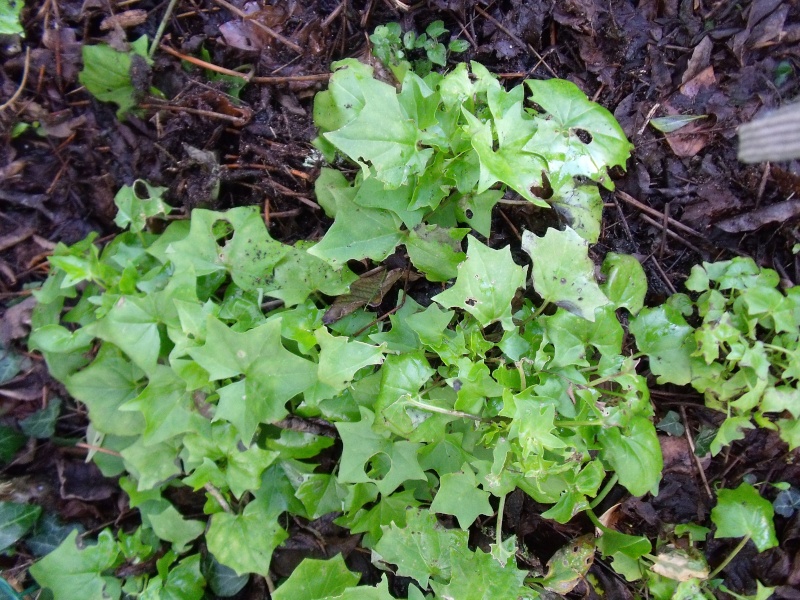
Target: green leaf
pixel 357 233
pixel 171 526
pixel 626 283
pixel 731 430
pixel 340 359
pixel 396 462
pixel 138 202
pixel 104 386
pixel 42 423
pixel 420 549
pixel 299 274
pixel 106 74
pixel 563 273
pixel 71 573
pixel 487 282
pixel 222 580
pixel 460 495
pixel 478 576
pixel 663 334
pixel 11 440
pixel 635 456
pixel 245 542
pixel 15 521
pixel 47 534
pixel 183 582
pixel 10 11
pixel 317 580
pixel 436 251
pixel 578 206
pixel 383 135
pixel 273 375
pixel 743 512
pixel 674 122
pixel 558 137
pixel 511 163
pixel 390 509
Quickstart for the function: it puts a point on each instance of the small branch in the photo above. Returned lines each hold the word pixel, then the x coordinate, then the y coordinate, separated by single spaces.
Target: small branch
pixel 514 37
pixel 691 447
pixel 205 65
pixel 217 495
pixel 628 199
pixel 21 87
pixel 442 411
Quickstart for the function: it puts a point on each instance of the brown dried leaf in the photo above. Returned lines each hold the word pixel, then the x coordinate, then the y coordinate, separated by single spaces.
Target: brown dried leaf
pixel 367 290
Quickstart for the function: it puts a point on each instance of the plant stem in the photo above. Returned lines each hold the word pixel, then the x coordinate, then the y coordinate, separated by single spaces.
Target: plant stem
pixel 499 525
pixel 443 411
pixel 604 492
pixel 161 27
pixel 730 557
pixel 539 310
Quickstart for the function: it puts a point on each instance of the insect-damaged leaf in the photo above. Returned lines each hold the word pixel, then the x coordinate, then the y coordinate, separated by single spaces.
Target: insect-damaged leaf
pixel 563 273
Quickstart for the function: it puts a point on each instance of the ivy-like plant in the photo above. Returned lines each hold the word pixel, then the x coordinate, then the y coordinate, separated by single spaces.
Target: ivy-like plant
pixel 431 157
pixel 193 377
pixel 740 347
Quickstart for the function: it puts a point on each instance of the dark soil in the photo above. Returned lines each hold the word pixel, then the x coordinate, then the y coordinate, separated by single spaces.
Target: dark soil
pixel 728 61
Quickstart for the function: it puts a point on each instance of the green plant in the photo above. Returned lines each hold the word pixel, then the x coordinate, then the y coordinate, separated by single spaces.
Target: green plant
pixel 10 11
pixel 432 155
pixel 744 354
pixel 118 77
pixel 393 48
pixel 191 379
pixel 679 570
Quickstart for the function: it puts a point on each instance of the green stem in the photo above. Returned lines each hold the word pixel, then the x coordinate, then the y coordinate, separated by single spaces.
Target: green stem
pixel 539 310
pixel 161 27
pixel 523 384
pixel 730 557
pixel 606 489
pixel 443 411
pixel 571 424
pixel 499 526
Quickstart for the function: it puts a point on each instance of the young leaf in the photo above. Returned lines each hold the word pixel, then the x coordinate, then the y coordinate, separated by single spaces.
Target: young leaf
pixel 626 283
pixel 15 521
pixel 478 576
pixel 317 580
pixel 245 542
pixel 568 280
pixel 558 137
pixel 106 73
pixel 420 549
pixel 362 445
pixel 486 284
pixel 743 512
pixel 635 456
pixel 138 202
pixel 71 573
pixel 460 495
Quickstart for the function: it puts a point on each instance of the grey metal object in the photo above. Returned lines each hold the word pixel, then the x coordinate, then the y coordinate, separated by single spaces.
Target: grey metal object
pixel 774 137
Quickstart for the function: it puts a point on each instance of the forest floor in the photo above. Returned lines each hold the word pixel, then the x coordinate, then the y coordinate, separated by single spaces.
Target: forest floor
pixel 683 199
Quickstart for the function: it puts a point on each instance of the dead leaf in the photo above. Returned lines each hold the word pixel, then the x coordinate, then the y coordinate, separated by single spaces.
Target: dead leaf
pixel 701 56
pixel 689 140
pixel 702 80
pixel 123 20
pixel 16 321
pixel 367 290
pixel 750 221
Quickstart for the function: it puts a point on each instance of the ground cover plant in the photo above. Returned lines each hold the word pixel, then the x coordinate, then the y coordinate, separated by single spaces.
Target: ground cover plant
pixel 214 354
pixel 402 400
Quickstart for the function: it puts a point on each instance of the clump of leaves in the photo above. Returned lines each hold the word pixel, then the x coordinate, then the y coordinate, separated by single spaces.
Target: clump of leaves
pixel 194 376
pixel 433 155
pixel 394 48
pixel 744 354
